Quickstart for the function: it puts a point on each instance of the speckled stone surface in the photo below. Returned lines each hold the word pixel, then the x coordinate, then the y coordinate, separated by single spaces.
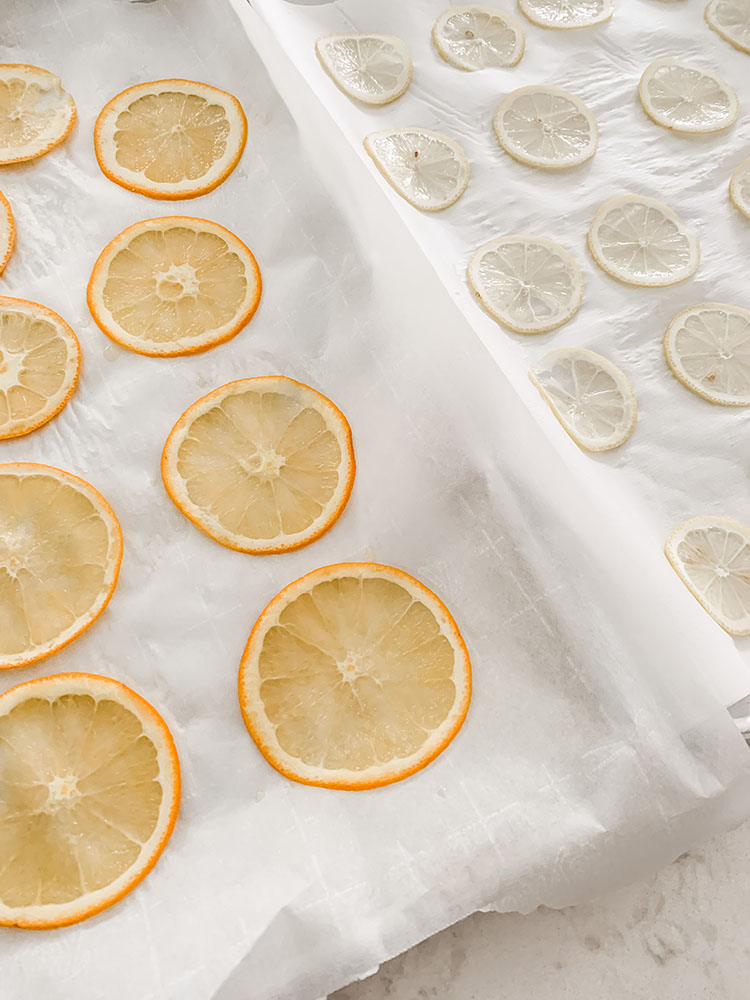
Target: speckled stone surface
pixel 682 935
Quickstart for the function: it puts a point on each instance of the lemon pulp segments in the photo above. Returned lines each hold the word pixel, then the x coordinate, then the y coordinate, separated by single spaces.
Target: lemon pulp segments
pixel 731 20
pixel 567 13
pixel 686 98
pixel 708 349
pixel 475 37
pixel 546 127
pixel 374 69
pixel 428 169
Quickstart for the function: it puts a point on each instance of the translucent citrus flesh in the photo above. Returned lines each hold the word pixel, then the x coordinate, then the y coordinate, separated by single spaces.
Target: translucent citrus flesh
pixel 34 112
pixel 740 188
pixel 79 797
pixel 356 674
pixel 714 560
pixel 566 13
pixel 683 97
pixel 421 166
pixel 638 241
pixel 546 127
pixel 476 39
pixel 366 67
pixel 731 18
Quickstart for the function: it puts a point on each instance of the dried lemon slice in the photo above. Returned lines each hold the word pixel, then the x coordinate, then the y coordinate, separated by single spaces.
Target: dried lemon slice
pixel 173 286
pixel 546 127
pixel 7 231
pixel 567 13
pixel 261 465
pixel 428 169
pixel 739 188
pixel 474 37
pixel 590 396
pixel 40 359
pixel 36 114
pixel 89 792
pixel 641 241
pixel 686 98
pixel 708 349
pixel 711 555
pixel 527 283
pixel 373 69
pixel 170 138
pixel 60 553
pixel 731 20
pixel 354 676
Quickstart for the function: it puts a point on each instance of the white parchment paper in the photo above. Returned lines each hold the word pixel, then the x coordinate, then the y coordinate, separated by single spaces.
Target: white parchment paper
pixel 594 749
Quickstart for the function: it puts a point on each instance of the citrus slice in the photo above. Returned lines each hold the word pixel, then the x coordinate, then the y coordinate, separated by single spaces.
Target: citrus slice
pixel 89 792
pixel 261 465
pixel 567 13
pixel 428 169
pixel 686 98
pixel 60 553
pixel 546 127
pixel 173 286
pixel 373 69
pixel 641 241
pixel 474 37
pixel 40 359
pixel 527 283
pixel 739 188
pixel 36 114
pixel 731 20
pixel 7 232
pixel 589 395
pixel 708 349
pixel 711 555
pixel 170 138
pixel 354 676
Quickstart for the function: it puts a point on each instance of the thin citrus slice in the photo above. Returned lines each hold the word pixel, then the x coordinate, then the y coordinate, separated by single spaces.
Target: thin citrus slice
pixel 708 349
pixel 711 555
pixel 567 13
pixel 527 283
pixel 373 69
pixel 89 792
pixel 7 231
pixel 261 465
pixel 590 396
pixel 354 676
pixel 428 169
pixel 170 138
pixel 641 241
pixel 36 114
pixel 546 127
pixel 60 553
pixel 173 286
pixel 731 20
pixel 40 359
pixel 686 98
pixel 474 37
pixel 739 188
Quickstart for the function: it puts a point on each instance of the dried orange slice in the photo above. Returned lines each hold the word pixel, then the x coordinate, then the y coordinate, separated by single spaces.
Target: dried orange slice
pixel 89 793
pixel 7 231
pixel 354 676
pixel 40 359
pixel 261 465
pixel 36 114
pixel 60 554
pixel 172 286
pixel 170 138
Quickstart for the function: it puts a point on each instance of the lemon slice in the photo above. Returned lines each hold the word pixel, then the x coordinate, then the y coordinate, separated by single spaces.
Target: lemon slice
pixel 708 349
pixel 641 241
pixel 474 37
pixel 39 363
pixel 36 114
pixel 373 69
pixel 170 138
pixel 527 283
pixel 739 188
pixel 60 553
pixel 546 127
pixel 173 286
pixel 711 555
pixel 686 98
pixel 567 13
pixel 731 20
pixel 354 676
pixel 89 792
pixel 7 232
pixel 261 465
pixel 428 169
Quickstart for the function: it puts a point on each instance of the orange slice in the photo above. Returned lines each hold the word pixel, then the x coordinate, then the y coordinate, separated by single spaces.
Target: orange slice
pixel 89 793
pixel 354 676
pixel 172 286
pixel 36 114
pixel 7 231
pixel 60 554
pixel 261 465
pixel 170 138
